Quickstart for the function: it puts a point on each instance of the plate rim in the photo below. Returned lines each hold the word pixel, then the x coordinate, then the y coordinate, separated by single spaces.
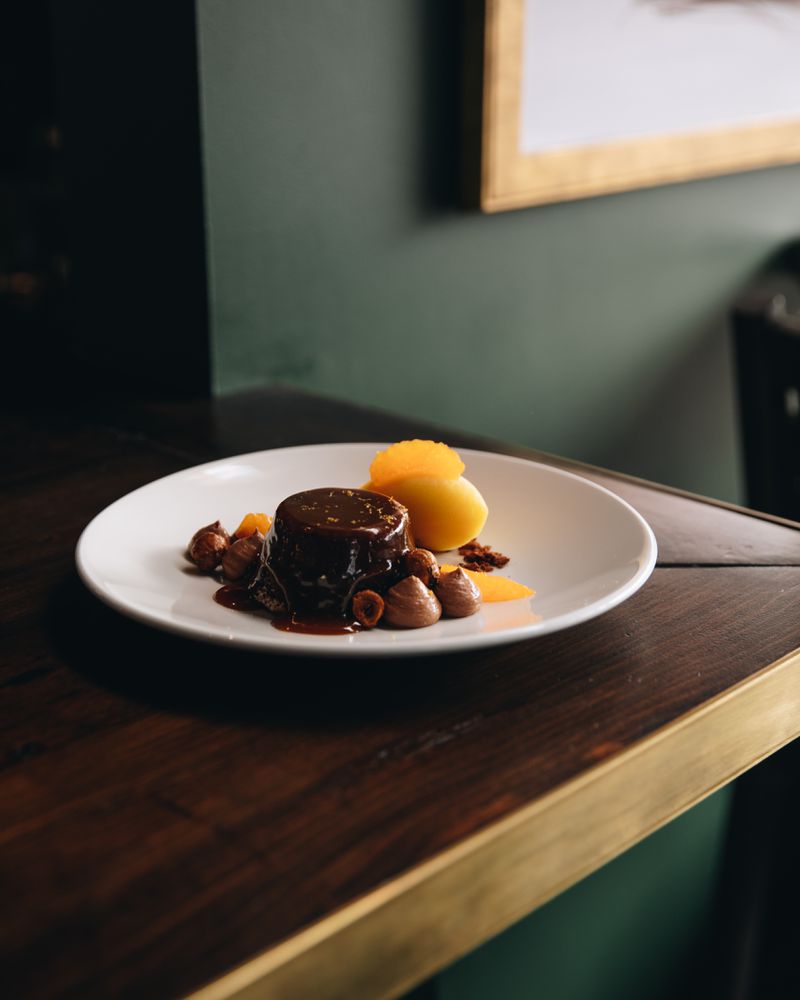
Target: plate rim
pixel 326 646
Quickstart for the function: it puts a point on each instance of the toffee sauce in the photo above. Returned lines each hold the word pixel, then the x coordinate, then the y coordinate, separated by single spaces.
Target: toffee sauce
pixel 236 596
pixel 309 624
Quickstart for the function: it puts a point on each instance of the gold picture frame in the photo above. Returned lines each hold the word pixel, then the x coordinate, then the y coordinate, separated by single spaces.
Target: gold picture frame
pixel 511 178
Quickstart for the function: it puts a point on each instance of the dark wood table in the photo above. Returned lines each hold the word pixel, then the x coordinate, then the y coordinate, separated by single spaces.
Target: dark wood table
pixel 177 817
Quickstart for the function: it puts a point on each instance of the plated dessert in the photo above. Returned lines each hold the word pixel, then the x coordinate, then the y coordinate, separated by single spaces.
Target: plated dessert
pixel 340 559
pixel 583 548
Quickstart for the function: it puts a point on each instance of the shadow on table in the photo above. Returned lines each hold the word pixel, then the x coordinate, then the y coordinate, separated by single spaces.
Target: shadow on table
pixel 174 673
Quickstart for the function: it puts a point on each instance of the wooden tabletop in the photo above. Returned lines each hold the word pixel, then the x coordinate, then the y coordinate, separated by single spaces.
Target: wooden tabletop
pixel 177 817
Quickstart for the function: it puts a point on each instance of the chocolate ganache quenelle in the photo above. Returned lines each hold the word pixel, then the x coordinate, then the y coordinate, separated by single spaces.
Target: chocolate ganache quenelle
pixel 326 544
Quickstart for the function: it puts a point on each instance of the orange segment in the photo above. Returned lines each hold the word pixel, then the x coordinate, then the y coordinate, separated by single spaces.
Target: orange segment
pixel 408 459
pixel 494 588
pixel 251 523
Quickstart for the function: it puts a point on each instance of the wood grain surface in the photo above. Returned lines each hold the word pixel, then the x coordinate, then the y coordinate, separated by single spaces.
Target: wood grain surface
pixel 169 810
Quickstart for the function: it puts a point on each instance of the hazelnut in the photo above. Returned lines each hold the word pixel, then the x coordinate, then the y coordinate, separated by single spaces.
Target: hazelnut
pixel 423 564
pixel 459 596
pixel 208 545
pixel 367 608
pixel 241 555
pixel 409 604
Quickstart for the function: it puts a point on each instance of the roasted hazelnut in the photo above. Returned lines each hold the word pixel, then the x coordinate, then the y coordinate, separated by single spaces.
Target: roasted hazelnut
pixel 208 545
pixel 367 608
pixel 242 554
pixel 459 596
pixel 423 564
pixel 409 604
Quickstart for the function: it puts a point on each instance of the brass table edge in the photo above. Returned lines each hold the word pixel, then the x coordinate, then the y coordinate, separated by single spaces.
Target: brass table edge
pixel 410 928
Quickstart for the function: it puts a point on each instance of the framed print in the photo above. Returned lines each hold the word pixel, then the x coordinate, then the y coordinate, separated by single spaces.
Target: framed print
pixel 583 98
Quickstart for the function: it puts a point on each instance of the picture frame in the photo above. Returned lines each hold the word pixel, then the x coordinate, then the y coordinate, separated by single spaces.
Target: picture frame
pixel 543 139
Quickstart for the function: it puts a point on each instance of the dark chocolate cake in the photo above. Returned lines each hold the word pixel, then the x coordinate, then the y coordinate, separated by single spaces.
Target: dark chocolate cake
pixel 326 544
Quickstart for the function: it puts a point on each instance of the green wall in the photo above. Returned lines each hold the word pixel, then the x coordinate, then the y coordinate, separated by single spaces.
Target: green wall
pixel 637 929
pixel 341 261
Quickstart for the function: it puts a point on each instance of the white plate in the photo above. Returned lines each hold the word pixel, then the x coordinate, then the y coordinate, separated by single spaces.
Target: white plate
pixel 583 550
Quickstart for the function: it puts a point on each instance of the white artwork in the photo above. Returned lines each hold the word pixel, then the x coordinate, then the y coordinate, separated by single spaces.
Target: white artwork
pixel 605 70
pixel 588 97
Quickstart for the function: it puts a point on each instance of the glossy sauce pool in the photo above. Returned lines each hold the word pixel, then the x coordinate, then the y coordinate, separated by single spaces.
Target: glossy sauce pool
pixel 236 596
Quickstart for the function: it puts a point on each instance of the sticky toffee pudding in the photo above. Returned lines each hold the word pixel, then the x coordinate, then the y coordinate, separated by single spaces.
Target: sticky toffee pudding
pixel 324 545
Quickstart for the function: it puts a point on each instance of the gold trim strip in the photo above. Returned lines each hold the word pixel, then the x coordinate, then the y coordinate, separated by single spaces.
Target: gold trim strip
pixel 410 928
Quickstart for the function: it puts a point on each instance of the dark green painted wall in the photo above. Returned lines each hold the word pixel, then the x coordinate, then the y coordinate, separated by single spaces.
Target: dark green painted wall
pixel 340 260
pixel 637 929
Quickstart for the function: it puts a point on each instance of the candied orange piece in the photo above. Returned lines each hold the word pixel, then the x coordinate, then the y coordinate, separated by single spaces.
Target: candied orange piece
pixel 494 588
pixel 251 523
pixel 408 459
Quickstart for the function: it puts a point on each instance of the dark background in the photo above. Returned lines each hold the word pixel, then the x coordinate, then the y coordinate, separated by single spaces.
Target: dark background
pixel 102 253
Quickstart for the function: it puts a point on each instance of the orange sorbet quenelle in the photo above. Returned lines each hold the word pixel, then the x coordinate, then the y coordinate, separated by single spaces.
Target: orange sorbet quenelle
pixel 446 510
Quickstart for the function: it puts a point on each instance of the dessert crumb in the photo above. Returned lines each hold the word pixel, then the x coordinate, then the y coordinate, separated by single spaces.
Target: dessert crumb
pixel 479 557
